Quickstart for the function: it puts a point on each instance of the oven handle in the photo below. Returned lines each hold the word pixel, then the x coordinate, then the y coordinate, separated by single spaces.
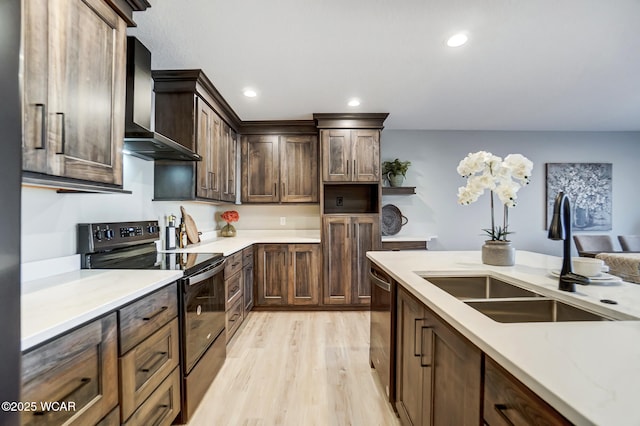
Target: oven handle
pixel 195 279
pixel 378 282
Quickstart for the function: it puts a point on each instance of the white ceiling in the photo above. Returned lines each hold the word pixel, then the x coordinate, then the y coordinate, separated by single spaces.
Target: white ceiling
pixel 528 65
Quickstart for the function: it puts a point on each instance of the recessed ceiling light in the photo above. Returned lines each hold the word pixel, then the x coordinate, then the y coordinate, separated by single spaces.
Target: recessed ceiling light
pixel 354 103
pixel 457 40
pixel 250 93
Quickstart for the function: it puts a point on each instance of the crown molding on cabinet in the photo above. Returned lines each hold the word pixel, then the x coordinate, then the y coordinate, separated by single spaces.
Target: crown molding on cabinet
pixel 189 80
pixel 278 127
pixel 350 120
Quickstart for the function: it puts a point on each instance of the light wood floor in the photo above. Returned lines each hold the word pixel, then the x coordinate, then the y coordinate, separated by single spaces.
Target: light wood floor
pixel 297 368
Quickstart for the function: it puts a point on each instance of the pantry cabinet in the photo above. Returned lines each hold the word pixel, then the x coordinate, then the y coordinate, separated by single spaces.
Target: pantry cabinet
pixel 74 90
pixel 279 168
pixel 438 372
pixel 345 241
pixel 287 274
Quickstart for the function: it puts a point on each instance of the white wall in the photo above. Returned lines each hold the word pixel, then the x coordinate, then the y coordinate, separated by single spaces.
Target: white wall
pixel 49 219
pixel 436 154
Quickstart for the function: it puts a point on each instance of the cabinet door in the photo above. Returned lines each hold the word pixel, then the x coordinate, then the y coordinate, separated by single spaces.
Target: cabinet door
pixel 208 143
pixel 336 155
pixel 366 155
pixel 272 274
pixel 457 377
pixel 304 268
pixel 229 149
pixel 35 66
pixel 87 54
pixel 336 250
pixel 298 169
pixel 365 236
pixel 260 169
pixel 80 366
pixel 412 369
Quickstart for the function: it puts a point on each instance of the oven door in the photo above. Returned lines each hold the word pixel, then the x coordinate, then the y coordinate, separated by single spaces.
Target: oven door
pixel 202 313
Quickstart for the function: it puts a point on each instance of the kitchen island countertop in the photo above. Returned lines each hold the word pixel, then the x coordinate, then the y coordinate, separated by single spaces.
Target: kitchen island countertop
pixel 588 371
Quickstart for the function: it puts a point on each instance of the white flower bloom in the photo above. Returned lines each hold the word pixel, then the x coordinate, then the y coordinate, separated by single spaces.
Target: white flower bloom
pixel 484 170
pixel 520 167
pixel 507 192
pixel 468 194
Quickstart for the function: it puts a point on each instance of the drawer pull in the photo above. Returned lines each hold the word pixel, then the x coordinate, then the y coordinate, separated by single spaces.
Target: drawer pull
pixel 83 382
pixel 164 409
pixel 233 265
pixel 417 353
pixel 161 356
pixel 501 408
pixel 234 290
pixel 155 314
pixel 234 318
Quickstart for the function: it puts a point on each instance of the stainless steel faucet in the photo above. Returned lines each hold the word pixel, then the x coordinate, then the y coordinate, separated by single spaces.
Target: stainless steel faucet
pixel 560 229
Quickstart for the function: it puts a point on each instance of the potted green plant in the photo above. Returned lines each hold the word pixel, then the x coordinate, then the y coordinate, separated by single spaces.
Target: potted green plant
pixel 395 171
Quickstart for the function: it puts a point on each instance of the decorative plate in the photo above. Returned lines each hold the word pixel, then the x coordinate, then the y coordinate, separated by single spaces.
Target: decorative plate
pixel 392 220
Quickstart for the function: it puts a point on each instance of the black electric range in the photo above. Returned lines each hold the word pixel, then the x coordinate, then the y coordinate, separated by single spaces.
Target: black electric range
pixel 130 245
pixel 201 295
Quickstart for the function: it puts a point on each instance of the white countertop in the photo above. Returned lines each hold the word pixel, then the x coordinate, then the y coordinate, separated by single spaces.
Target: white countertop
pixel 53 305
pixel 402 238
pixel 230 245
pixel 588 371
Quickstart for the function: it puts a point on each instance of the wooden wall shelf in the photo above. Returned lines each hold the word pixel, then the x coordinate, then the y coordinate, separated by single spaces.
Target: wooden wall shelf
pixel 398 190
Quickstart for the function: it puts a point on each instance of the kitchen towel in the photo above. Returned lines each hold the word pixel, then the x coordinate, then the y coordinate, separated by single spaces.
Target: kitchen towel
pixel 623 265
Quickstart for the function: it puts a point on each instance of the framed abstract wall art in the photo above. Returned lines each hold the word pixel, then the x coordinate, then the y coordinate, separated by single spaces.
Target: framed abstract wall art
pixel 588 186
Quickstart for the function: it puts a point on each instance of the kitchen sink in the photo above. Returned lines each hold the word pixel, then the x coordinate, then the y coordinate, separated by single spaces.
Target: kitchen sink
pixel 478 287
pixel 533 310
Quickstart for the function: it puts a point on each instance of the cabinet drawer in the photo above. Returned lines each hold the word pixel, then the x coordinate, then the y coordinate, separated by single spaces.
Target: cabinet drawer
pixel 162 406
pixel 233 319
pixel 145 366
pixel 142 318
pixel 247 256
pixel 112 419
pixel 233 289
pixel 233 265
pixel 80 369
pixel 508 402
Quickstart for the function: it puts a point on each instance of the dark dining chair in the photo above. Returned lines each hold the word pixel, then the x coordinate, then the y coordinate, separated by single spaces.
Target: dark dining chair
pixel 629 242
pixel 593 243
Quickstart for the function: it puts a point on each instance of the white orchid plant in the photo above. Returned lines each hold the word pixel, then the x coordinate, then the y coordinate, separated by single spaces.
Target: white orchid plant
pixel 483 170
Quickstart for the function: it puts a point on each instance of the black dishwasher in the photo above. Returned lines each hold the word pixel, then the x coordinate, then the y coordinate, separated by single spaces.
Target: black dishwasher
pixel 382 339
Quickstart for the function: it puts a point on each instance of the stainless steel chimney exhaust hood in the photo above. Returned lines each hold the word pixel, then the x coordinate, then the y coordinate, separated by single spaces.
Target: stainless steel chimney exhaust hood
pixel 139 140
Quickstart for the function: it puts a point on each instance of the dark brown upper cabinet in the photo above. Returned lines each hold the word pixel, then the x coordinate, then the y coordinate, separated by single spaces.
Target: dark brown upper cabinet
pixel 190 111
pixel 74 92
pixel 279 168
pixel 350 155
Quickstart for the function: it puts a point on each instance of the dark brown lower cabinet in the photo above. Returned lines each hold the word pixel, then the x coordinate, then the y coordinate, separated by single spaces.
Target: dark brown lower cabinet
pixel 288 274
pixel 79 368
pixel 346 240
pixel 439 372
pixel 509 402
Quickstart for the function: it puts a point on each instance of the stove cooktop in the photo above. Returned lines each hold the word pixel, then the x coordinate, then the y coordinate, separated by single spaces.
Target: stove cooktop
pixel 130 245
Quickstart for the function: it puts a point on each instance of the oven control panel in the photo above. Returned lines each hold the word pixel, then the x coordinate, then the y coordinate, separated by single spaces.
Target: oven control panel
pixel 97 237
